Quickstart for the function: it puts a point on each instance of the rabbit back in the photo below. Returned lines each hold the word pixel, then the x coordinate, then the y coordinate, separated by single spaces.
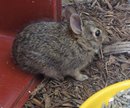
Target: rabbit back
pixel 49 45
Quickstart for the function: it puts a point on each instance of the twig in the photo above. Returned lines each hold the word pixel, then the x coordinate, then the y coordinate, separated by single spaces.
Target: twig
pixel 124 75
pixel 123 61
pixel 99 7
pixel 37 102
pixel 109 5
pixel 94 3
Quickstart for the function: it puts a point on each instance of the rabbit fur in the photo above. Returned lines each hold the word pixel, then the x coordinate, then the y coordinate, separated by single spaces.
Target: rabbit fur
pixel 58 49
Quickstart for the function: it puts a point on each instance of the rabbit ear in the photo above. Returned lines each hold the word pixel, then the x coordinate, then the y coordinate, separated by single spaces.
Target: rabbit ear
pixel 68 11
pixel 75 23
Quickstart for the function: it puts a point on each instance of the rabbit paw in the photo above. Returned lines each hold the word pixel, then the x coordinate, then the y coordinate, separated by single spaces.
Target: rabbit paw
pixel 81 77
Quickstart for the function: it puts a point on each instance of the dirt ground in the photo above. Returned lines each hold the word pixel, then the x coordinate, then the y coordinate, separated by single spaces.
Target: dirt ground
pixel 103 71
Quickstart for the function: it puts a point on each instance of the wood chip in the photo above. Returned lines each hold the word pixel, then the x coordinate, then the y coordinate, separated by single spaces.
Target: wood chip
pixel 47 102
pixel 123 7
pixel 117 48
pixel 37 102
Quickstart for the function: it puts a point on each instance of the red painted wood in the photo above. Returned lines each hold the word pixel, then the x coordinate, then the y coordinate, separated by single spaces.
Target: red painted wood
pixel 14 15
pixel 13 82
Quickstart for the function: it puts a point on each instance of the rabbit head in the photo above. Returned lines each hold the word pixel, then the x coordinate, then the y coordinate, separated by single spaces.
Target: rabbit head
pixel 87 30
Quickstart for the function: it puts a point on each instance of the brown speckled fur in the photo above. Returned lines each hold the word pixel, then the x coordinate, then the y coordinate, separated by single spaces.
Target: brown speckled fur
pixel 51 48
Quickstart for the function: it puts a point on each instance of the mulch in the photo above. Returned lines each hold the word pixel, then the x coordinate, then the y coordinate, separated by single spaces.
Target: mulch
pixel 103 71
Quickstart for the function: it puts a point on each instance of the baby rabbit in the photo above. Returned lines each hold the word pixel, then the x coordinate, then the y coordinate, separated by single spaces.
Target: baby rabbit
pixel 58 49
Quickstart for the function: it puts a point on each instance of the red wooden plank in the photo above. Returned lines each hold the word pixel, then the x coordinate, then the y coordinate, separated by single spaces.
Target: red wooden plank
pixel 14 14
pixel 13 82
pixel 56 9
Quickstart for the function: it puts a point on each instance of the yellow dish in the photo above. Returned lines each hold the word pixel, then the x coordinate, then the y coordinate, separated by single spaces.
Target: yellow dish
pixel 103 96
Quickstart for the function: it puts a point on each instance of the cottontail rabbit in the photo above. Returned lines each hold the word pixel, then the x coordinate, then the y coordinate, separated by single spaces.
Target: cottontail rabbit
pixel 58 49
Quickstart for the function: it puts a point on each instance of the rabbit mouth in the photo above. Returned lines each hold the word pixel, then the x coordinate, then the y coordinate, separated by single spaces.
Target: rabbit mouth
pixel 96 49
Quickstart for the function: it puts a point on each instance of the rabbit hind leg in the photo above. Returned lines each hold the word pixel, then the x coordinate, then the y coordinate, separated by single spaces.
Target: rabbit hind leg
pixel 52 73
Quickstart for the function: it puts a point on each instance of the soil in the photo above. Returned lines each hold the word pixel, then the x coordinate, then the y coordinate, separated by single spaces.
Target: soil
pixel 103 71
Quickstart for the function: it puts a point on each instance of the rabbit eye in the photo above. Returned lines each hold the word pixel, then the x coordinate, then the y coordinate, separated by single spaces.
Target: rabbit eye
pixel 97 33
